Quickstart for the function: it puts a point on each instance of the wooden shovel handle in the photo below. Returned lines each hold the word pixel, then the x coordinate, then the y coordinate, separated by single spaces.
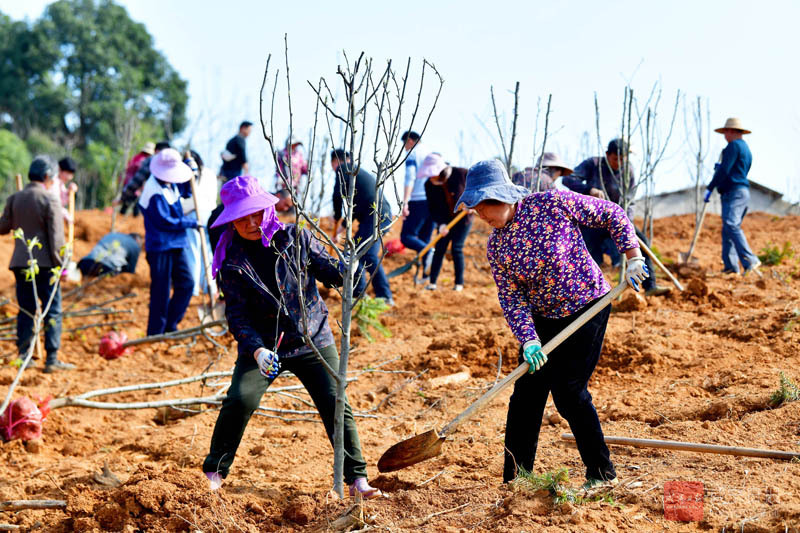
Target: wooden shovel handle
pixel 71 209
pixel 697 232
pixel 693 447
pixel 520 371
pixel 659 264
pixel 203 248
pixel 20 185
pixel 433 242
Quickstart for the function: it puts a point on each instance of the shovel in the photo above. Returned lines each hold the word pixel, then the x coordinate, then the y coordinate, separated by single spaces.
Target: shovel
pixel 686 257
pixel 416 261
pixel 429 444
pixel 217 310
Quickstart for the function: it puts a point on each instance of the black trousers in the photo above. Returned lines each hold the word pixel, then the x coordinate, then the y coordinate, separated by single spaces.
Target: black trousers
pixel 244 395
pixel 566 374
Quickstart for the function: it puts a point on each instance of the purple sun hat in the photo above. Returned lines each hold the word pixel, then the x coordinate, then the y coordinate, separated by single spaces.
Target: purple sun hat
pixel 244 196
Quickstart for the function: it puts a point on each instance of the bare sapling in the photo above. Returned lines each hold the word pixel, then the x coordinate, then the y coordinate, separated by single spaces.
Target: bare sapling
pixel 38 317
pixel 365 116
pixel 508 149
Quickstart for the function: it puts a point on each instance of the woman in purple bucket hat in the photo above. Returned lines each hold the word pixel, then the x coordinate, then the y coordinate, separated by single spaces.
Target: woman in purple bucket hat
pixel 255 263
pixel 545 279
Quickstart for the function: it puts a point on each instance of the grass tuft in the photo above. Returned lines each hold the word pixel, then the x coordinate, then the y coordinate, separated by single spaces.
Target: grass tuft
pixel 367 315
pixel 772 255
pixel 788 391
pixel 557 484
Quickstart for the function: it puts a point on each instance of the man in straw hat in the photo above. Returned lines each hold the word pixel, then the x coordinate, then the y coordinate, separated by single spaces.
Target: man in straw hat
pixel 165 241
pixel 730 179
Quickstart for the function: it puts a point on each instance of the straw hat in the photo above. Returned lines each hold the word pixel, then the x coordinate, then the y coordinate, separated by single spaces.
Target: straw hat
pixel 149 148
pixel 550 159
pixel 732 124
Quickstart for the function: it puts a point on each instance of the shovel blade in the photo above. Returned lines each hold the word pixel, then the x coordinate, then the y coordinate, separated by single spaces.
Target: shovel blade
pixel 400 270
pixel 684 259
pixel 411 451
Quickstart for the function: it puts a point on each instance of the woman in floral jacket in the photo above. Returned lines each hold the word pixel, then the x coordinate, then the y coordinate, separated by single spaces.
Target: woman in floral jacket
pixel 255 259
pixel 545 279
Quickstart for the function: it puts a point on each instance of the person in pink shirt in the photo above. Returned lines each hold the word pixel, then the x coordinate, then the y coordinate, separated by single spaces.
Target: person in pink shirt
pixel 66 173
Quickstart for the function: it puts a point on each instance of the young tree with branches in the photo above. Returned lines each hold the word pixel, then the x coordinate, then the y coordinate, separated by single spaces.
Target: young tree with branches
pixel 366 120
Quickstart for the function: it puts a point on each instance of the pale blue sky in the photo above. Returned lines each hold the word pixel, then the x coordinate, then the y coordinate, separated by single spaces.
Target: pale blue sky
pixel 740 55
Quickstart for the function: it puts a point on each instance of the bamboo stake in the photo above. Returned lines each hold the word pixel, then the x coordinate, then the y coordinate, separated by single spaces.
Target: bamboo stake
pixel 694 447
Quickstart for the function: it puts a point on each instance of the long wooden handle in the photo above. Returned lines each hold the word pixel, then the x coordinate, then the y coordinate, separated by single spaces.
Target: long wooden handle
pixel 71 209
pixel 697 232
pixel 694 447
pixel 660 265
pixel 520 371
pixel 203 248
pixel 433 242
pixel 19 182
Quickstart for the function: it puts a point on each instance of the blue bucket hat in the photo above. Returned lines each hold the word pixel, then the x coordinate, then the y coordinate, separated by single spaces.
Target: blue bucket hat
pixel 488 180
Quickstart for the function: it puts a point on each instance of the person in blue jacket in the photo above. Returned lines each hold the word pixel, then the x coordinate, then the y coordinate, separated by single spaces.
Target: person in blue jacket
pixel 165 241
pixel 730 179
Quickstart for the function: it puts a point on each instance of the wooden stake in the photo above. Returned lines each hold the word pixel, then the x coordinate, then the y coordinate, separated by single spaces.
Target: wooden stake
pixel 694 447
pixel 19 505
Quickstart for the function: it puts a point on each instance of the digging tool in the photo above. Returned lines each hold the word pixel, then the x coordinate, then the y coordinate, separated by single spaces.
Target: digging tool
pixel 71 267
pixel 694 447
pixel 215 312
pixel 686 257
pixel 416 261
pixel 429 444
pixel 660 265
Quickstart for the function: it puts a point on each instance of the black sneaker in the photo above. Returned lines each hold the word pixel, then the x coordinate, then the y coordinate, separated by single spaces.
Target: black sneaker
pixel 58 365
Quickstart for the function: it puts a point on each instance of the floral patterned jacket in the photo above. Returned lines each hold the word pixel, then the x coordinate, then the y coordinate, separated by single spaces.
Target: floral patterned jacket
pixel 540 262
pixel 257 317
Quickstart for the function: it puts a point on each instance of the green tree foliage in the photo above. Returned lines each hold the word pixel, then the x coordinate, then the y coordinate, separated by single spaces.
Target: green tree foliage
pixel 14 159
pixel 70 79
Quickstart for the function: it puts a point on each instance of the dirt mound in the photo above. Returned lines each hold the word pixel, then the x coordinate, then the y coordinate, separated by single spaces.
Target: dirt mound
pixel 697 366
pixel 169 499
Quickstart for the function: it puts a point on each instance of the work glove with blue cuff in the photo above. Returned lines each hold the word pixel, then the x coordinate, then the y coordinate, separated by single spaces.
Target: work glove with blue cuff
pixel 636 272
pixel 268 363
pixel 533 355
pixel 707 197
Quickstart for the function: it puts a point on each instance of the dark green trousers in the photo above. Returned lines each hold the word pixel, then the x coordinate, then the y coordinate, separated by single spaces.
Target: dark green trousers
pixel 244 395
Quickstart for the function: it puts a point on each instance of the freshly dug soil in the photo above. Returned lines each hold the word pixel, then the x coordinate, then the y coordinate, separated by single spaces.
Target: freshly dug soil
pixel 694 366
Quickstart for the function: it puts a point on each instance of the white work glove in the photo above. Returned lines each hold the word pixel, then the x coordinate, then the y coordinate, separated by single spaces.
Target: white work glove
pixel 443 231
pixel 636 272
pixel 268 363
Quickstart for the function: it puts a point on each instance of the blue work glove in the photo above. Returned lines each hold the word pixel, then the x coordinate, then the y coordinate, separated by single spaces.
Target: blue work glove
pixel 636 272
pixel 268 363
pixel 534 356
pixel 707 197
